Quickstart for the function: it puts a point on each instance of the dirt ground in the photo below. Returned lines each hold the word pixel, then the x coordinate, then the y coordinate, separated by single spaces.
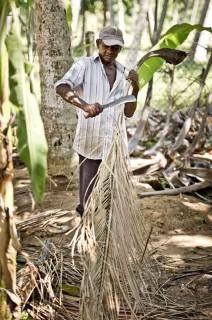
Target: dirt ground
pixel 181 237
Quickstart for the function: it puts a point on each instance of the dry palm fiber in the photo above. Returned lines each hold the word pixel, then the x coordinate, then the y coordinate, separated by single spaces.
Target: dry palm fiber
pixel 118 271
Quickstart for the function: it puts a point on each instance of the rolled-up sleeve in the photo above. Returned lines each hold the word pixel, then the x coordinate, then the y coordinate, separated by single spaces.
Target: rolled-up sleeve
pixel 74 76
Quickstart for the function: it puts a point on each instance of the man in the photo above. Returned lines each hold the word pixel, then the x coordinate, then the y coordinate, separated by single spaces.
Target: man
pixel 90 83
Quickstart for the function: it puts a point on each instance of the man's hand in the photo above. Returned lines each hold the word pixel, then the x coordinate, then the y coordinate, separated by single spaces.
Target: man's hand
pixel 130 107
pixel 92 110
pixel 133 78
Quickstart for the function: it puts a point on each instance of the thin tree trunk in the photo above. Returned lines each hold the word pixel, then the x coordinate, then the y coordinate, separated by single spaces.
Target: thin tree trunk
pixel 204 39
pixel 111 11
pixel 201 20
pixel 150 21
pixel 75 7
pixel 175 14
pixel 184 13
pixel 53 46
pixel 89 43
pixel 83 27
pixel 140 26
pixel 194 11
pixel 104 12
pixel 159 26
pixel 121 22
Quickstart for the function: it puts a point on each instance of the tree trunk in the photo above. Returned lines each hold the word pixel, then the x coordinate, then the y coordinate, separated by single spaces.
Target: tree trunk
pixel 121 22
pixel 194 11
pixel 104 2
pixel 204 39
pixel 89 43
pixel 138 32
pixel 201 20
pixel 111 11
pixel 159 25
pixel 53 46
pixel 75 7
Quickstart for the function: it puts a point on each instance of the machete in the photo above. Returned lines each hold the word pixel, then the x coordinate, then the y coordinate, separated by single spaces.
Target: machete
pixel 125 99
pixel 122 100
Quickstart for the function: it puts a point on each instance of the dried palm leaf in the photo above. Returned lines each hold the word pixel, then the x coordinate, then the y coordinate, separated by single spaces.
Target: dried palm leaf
pixel 118 272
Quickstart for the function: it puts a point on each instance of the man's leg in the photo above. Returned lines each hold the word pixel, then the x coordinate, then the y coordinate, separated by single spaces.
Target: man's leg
pixel 88 170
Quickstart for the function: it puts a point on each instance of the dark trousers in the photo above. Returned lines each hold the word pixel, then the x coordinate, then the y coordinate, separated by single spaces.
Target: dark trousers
pixel 87 172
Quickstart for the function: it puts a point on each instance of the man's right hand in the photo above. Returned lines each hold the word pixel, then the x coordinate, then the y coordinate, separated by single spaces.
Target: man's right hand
pixel 92 110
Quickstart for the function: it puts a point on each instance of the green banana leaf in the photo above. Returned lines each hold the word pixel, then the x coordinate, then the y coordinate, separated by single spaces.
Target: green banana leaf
pixel 173 38
pixel 32 143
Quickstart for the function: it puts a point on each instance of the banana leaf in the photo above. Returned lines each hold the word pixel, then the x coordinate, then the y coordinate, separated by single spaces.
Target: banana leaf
pixel 32 144
pixel 172 39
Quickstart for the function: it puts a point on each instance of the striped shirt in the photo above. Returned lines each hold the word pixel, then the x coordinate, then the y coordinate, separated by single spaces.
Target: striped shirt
pixel 88 79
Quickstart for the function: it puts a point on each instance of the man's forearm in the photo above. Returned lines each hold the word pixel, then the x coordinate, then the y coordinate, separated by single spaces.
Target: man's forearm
pixel 130 107
pixel 90 110
pixel 70 96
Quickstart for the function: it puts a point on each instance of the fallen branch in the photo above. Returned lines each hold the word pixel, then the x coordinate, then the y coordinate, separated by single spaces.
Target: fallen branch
pixel 202 173
pixel 194 187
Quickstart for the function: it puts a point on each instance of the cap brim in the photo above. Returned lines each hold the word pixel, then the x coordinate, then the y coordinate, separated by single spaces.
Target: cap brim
pixel 113 42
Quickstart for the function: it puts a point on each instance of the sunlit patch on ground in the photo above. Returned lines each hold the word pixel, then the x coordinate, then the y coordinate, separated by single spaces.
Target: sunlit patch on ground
pixel 197 206
pixel 190 241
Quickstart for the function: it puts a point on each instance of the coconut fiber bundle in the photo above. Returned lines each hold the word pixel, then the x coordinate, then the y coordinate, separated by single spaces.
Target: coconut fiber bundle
pixel 119 280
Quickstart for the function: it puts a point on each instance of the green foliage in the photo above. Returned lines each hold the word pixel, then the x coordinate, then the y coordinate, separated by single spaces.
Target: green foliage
pixel 4 309
pixel 173 38
pixel 88 5
pixel 25 316
pixel 164 184
pixel 68 13
pixel 32 144
pixel 128 6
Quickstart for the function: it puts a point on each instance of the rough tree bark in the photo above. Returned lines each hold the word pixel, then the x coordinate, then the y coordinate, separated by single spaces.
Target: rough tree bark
pixel 53 47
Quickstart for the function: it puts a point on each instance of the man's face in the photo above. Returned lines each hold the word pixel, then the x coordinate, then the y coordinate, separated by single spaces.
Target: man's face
pixel 107 53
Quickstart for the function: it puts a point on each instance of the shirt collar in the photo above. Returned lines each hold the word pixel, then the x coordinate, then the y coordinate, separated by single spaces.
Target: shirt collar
pixel 119 66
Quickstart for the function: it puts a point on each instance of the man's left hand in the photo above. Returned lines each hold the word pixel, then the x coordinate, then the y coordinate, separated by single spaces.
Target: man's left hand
pixel 133 78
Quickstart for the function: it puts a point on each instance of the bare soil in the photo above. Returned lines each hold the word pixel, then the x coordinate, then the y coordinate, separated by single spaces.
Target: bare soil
pixel 181 237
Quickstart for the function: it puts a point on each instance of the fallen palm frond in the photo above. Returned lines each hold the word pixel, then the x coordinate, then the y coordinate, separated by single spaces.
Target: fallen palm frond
pixel 116 274
pixel 51 269
pixel 119 274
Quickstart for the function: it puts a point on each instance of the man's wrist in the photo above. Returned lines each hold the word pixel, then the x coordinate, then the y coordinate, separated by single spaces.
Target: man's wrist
pixel 69 96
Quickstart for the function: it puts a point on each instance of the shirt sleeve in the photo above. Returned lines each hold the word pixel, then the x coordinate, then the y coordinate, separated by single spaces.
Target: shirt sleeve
pixel 74 76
